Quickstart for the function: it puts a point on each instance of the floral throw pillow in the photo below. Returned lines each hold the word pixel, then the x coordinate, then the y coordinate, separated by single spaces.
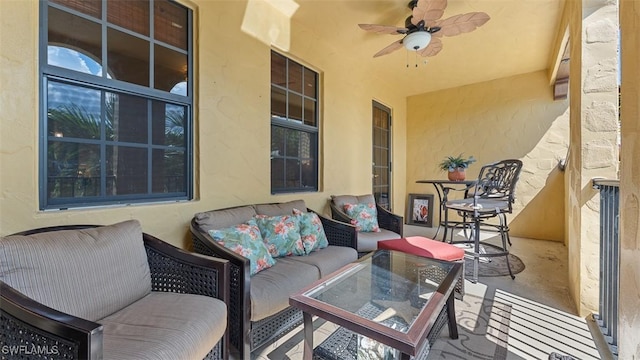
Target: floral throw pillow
pixel 363 216
pixel 281 234
pixel 245 240
pixel 311 231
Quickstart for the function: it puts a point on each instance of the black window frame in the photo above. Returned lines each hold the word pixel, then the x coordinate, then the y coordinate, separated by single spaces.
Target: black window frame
pixel 287 123
pixel 54 74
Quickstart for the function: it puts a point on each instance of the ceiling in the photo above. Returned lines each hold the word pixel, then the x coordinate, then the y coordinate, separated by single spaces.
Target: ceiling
pixel 518 39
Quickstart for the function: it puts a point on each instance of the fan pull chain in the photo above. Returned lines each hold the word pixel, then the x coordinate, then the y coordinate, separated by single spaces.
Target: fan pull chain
pixel 416 60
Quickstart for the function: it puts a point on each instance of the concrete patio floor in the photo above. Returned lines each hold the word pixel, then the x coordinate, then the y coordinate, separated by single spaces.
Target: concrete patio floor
pixel 500 318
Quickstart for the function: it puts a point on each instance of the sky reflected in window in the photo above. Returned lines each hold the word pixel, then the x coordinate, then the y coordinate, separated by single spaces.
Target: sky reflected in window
pixel 73 60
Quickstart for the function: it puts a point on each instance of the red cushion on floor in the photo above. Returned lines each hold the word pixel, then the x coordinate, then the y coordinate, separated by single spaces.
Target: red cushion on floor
pixel 422 246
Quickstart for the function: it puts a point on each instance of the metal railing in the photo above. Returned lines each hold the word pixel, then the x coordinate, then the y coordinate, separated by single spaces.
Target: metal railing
pixel 607 318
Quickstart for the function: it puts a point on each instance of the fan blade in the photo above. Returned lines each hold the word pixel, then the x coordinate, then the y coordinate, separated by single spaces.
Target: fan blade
pixel 432 49
pixel 383 29
pixel 389 49
pixel 428 10
pixel 460 24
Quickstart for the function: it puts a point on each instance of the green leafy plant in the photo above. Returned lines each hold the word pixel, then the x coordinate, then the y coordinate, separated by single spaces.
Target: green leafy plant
pixel 451 163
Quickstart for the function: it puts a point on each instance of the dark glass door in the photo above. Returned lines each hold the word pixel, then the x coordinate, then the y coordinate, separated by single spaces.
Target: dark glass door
pixel 381 171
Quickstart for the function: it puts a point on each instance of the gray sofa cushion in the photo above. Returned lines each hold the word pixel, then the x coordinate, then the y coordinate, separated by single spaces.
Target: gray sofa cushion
pixel 271 289
pixel 165 326
pixel 368 241
pixel 280 208
pixel 340 200
pixel 220 219
pixel 88 273
pixel 328 259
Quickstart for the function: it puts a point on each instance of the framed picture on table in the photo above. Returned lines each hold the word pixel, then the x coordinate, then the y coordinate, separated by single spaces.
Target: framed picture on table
pixel 420 210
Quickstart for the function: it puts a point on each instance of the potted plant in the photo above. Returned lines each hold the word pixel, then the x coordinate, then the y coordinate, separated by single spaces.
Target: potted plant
pixel 455 166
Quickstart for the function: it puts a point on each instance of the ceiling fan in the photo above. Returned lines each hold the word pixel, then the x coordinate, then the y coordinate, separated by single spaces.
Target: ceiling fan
pixel 423 28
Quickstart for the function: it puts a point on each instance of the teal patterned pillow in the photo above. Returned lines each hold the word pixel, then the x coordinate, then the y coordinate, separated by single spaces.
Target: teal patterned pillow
pixel 363 216
pixel 245 240
pixel 311 231
pixel 281 234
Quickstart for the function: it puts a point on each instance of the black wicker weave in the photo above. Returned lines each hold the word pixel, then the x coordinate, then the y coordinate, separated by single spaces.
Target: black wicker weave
pixel 386 220
pixel 342 343
pixel 244 334
pixel 30 330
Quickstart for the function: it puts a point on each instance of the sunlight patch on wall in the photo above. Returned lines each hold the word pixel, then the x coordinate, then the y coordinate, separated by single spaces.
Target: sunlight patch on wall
pixel 270 21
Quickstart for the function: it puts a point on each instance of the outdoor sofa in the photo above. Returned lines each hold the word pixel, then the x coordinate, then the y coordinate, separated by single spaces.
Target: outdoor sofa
pixel 259 304
pixel 112 292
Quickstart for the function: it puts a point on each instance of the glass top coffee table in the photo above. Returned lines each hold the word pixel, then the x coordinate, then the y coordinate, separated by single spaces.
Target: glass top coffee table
pixel 388 303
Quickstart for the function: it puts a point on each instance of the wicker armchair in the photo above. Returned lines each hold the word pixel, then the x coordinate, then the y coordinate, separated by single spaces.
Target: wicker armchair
pixel 32 330
pixel 391 225
pixel 244 334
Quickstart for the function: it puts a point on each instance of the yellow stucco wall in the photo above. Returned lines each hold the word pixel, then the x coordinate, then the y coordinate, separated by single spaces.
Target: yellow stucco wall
pixel 593 129
pixel 513 117
pixel 629 336
pixel 231 120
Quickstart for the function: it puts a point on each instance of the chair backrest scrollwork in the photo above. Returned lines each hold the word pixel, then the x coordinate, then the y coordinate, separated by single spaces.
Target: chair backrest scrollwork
pixel 498 180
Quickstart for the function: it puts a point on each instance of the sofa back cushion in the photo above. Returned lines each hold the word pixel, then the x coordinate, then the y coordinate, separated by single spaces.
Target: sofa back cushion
pixel 278 209
pixel 89 273
pixel 224 218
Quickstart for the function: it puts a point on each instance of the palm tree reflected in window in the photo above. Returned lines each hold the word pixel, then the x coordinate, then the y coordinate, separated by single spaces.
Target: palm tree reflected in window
pixel 99 142
pixel 118 102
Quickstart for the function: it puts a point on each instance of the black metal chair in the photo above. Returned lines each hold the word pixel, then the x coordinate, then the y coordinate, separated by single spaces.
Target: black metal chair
pixel 491 196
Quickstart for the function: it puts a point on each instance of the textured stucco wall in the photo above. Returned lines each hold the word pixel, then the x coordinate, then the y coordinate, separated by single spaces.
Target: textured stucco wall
pixel 599 133
pixel 572 179
pixel 514 117
pixel 593 124
pixel 232 121
pixel 629 322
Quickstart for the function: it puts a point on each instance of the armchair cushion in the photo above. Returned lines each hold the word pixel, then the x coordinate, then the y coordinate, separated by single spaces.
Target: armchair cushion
pixel 311 231
pixel 245 239
pixel 46 267
pixel 165 326
pixel 368 241
pixel 341 200
pixel 364 216
pixel 281 234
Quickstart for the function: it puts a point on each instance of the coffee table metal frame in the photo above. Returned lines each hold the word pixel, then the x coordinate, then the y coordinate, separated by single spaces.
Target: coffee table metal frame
pixel 409 343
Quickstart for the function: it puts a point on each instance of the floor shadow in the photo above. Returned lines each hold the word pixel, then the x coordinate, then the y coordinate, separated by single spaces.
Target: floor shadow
pixel 499 318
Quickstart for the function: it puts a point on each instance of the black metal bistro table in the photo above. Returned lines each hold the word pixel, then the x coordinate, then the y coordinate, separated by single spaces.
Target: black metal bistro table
pixel 442 190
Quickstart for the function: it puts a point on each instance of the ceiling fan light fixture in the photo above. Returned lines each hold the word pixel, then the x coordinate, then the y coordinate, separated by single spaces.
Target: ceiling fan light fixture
pixel 417 41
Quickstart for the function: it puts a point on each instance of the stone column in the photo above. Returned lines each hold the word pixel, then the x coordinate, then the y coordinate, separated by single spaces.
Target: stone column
pixel 629 323
pixel 593 138
pixel 599 132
